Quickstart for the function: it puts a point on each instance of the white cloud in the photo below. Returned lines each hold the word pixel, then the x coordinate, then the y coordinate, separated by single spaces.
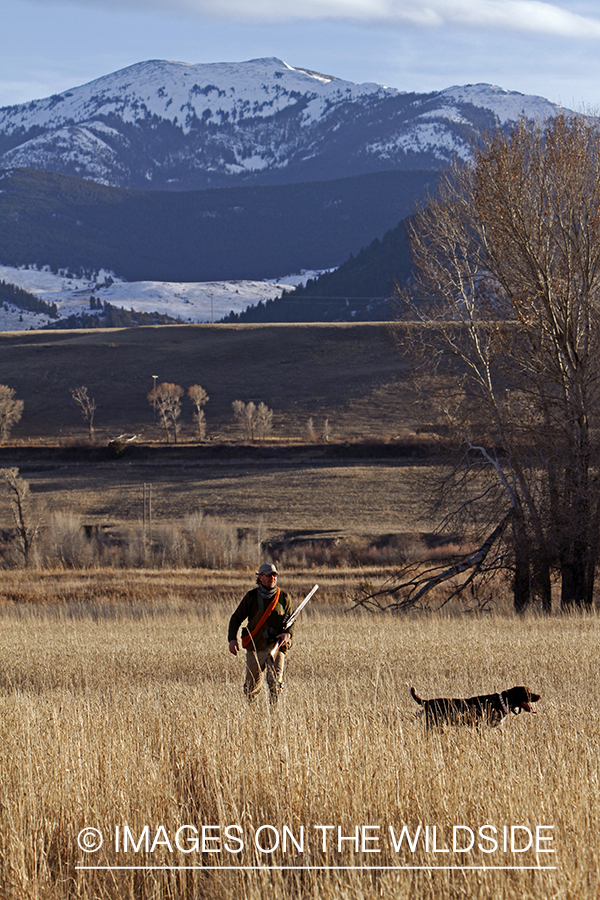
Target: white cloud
pixel 519 15
pixel 527 16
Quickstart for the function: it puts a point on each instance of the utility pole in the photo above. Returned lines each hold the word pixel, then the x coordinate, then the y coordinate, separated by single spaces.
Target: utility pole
pixel 147 511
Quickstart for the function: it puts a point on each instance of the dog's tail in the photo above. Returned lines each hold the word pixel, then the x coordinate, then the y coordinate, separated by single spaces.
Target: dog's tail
pixel 415 696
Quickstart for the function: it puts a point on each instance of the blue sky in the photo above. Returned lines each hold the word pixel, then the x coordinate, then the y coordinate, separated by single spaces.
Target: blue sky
pixel 551 49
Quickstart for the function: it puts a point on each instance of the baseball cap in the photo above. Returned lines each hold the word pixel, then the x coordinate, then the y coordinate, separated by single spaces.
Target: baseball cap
pixel 267 569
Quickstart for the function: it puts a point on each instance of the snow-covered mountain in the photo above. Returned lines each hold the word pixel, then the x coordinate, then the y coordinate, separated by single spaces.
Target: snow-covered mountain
pixel 162 124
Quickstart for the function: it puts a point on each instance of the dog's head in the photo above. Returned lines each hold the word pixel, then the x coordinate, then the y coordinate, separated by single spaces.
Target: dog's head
pixel 520 698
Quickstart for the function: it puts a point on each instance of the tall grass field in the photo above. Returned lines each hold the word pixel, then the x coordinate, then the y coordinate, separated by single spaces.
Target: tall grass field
pixel 132 767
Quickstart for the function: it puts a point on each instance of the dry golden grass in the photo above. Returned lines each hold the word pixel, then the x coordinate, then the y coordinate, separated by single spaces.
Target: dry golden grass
pixel 121 711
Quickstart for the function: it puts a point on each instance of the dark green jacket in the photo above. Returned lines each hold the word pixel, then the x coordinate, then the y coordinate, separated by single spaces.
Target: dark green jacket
pixel 251 608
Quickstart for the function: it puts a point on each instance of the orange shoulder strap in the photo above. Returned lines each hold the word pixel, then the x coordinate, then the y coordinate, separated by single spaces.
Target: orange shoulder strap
pixel 249 637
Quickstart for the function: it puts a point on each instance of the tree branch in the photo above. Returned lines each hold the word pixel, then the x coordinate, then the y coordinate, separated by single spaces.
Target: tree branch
pixel 421 585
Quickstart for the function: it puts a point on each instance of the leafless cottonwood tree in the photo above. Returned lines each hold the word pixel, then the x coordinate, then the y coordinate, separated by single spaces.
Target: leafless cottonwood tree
pixel 166 399
pixel 87 407
pixel 254 421
pixel 24 516
pixel 244 414
pixel 11 411
pixel 199 397
pixel 264 421
pixel 507 300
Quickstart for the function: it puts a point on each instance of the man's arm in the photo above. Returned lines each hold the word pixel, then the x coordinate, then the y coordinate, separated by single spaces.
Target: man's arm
pixel 289 610
pixel 284 638
pixel 241 613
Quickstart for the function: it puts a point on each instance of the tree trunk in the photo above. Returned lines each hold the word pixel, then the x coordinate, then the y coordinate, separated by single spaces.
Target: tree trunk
pixel 577 570
pixel 544 584
pixel 522 573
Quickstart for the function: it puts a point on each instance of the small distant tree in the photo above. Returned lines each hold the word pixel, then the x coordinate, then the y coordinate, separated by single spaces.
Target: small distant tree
pixel 166 399
pixel 326 431
pixel 310 429
pixel 199 397
pixel 11 411
pixel 264 421
pixel 254 421
pixel 17 490
pixel 245 415
pixel 87 407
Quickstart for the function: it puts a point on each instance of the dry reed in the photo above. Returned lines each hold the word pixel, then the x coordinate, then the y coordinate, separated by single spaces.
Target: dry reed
pixel 132 715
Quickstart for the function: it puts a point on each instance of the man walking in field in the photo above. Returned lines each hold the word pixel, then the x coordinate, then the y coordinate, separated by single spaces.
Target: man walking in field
pixel 266 607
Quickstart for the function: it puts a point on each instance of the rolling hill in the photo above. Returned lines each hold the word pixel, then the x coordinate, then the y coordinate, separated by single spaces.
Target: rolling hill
pixel 233 233
pixel 361 289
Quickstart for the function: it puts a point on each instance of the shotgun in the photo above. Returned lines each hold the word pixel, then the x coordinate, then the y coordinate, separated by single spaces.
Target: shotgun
pixel 287 623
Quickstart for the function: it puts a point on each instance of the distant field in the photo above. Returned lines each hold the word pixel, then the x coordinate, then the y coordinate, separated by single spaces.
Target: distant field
pixel 351 374
pixel 354 498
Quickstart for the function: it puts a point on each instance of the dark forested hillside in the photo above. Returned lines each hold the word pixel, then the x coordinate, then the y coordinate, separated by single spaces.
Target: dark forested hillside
pixel 16 296
pixel 231 233
pixel 361 289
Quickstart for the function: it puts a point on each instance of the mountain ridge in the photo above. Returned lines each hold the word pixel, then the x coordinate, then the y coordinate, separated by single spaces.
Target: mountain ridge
pixel 179 126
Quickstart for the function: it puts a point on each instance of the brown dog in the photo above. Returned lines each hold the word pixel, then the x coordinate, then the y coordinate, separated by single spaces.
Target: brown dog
pixel 490 709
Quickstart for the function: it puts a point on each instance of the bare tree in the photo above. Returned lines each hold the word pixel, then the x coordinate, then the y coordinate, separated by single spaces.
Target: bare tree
pixel 507 291
pixel 87 407
pixel 254 421
pixel 11 410
pixel 264 421
pixel 26 523
pixel 245 416
pixel 166 399
pixel 199 397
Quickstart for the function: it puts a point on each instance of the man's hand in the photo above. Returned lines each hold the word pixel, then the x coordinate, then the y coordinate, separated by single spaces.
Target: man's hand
pixel 234 647
pixel 282 639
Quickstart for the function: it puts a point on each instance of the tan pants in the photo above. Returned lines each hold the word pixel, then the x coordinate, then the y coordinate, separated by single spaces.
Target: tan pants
pixel 256 664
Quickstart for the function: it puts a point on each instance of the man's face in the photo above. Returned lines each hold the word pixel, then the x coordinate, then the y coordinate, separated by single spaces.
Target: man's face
pixel 269 580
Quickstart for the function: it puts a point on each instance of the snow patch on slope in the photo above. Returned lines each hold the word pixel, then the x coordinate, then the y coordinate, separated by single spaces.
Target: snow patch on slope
pixel 507 106
pixel 191 302
pixel 426 138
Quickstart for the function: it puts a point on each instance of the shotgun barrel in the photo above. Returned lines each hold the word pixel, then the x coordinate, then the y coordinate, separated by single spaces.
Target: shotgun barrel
pixel 293 618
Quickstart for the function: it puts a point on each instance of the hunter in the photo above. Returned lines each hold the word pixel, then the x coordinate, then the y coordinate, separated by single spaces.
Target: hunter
pixel 265 638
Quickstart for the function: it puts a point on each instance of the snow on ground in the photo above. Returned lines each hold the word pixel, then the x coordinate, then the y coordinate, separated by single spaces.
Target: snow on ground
pixel 207 301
